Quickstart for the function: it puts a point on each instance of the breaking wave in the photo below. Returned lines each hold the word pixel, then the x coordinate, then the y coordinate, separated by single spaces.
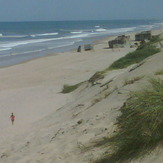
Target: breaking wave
pixel 101 30
pixel 76 32
pixel 44 34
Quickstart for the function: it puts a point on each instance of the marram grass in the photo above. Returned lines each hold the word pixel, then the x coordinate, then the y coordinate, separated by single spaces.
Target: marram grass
pixel 140 126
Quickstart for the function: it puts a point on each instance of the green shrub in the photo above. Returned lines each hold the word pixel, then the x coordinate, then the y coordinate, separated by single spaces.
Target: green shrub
pixel 97 76
pixel 70 88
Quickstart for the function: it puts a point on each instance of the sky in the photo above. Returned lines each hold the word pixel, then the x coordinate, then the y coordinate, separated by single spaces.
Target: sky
pixel 58 10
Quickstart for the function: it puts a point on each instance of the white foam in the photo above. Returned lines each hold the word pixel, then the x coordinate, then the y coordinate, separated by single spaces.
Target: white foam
pixel 77 32
pixel 77 36
pixel 44 34
pixel 3 49
pixel 39 50
pixel 1 34
pixel 13 36
pixel 101 30
pixel 18 43
pixel 115 31
pixel 97 26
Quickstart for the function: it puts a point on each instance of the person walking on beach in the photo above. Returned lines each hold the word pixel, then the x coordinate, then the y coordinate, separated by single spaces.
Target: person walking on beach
pixel 12 117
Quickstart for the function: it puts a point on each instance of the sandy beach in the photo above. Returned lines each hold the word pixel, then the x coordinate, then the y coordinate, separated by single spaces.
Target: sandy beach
pixel 52 127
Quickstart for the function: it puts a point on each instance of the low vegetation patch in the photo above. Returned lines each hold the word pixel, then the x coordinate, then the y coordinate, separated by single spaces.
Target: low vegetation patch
pixel 97 76
pixel 140 126
pixel 70 88
pixel 156 39
pixel 134 57
pixel 160 72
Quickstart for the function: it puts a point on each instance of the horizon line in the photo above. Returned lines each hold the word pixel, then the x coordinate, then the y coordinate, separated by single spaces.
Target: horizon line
pixel 78 20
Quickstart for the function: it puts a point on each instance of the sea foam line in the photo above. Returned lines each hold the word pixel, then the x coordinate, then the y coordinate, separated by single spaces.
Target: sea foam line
pixel 18 43
pixel 76 32
pixel 13 36
pixel 78 36
pixel 44 34
pixel 101 30
pixel 3 49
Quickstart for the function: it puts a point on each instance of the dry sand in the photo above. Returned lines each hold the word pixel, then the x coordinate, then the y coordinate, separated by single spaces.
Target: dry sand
pixel 52 127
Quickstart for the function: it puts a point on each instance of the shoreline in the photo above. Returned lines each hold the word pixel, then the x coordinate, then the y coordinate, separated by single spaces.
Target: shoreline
pixel 37 56
pixel 52 72
pixel 14 60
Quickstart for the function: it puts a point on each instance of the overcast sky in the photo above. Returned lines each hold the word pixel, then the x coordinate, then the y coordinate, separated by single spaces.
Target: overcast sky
pixel 40 10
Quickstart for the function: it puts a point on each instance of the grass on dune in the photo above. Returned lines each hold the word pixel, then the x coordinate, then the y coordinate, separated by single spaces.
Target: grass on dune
pixel 70 88
pixel 140 126
pixel 134 57
pixel 143 51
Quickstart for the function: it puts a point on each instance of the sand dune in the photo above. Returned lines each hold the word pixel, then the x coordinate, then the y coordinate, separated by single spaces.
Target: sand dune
pixel 52 127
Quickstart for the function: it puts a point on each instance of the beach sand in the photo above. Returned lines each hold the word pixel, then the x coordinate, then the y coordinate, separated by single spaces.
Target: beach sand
pixel 51 127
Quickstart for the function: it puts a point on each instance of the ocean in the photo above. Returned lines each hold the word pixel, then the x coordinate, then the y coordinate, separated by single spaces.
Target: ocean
pixel 20 41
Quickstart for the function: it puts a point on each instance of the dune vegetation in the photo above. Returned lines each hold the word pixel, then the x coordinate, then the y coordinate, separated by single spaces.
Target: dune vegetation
pixel 143 51
pixel 134 57
pixel 139 127
pixel 70 88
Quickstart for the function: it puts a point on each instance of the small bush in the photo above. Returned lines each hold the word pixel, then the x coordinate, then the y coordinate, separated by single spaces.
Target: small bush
pixel 70 88
pixel 140 126
pixel 97 76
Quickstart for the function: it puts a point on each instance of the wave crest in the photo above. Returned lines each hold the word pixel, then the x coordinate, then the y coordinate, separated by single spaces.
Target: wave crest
pixel 44 34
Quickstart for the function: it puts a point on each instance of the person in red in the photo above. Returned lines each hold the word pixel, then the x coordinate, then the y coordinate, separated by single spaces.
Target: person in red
pixel 12 117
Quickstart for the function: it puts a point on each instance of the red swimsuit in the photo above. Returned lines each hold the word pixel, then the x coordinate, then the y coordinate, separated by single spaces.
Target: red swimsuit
pixel 12 117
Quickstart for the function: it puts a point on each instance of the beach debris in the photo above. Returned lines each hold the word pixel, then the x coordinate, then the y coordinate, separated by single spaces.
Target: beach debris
pixel 80 105
pixel 136 66
pixel 80 121
pixel 88 47
pixel 79 49
pixel 146 35
pixel 97 76
pixel 106 84
pixel 55 135
pixel 4 155
pixel 27 143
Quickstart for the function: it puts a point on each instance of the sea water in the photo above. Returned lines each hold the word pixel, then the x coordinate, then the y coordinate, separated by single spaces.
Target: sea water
pixel 20 41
